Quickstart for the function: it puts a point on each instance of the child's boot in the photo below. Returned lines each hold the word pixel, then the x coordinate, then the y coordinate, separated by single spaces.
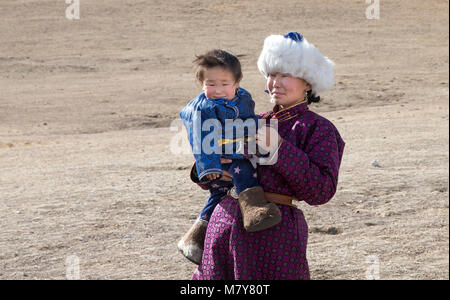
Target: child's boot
pixel 191 245
pixel 258 214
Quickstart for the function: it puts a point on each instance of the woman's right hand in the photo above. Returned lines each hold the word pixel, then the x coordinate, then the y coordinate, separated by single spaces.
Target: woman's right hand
pixel 268 139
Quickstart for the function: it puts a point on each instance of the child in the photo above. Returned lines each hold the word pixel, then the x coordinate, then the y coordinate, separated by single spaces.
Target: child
pixel 223 101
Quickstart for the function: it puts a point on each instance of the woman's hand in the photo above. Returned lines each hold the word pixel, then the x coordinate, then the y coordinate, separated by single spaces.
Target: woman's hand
pixel 268 139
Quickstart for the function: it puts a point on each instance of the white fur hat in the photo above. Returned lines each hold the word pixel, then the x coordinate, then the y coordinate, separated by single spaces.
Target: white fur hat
pixel 292 54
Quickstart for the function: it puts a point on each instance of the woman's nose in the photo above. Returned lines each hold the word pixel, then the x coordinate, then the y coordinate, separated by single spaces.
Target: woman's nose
pixel 276 81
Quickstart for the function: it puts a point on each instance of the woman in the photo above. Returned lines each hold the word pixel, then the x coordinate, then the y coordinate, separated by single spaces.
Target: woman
pixel 305 167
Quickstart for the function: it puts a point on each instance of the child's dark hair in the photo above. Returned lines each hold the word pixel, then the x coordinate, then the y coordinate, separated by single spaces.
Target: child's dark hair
pixel 312 98
pixel 218 58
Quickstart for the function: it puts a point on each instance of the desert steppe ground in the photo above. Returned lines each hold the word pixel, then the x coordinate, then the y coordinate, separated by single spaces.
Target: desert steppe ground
pixel 87 166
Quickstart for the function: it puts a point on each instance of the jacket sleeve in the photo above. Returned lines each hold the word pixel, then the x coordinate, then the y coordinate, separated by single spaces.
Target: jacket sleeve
pixel 194 178
pixel 205 135
pixel 312 173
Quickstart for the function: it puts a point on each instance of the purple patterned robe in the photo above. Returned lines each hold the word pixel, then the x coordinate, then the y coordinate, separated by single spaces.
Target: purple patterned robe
pixel 307 169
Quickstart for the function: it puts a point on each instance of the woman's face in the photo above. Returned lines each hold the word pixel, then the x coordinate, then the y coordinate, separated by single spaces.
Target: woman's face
pixel 286 90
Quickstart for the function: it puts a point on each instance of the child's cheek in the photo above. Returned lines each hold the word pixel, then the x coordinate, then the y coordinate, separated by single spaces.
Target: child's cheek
pixel 209 92
pixel 231 92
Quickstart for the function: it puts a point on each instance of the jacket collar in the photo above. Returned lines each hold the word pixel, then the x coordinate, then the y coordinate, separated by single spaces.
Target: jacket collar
pixel 230 102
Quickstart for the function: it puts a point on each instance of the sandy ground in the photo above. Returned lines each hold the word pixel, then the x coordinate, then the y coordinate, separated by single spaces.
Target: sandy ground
pixel 88 174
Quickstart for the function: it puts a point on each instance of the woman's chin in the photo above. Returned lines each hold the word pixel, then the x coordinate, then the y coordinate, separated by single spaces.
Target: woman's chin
pixel 276 101
pixel 281 104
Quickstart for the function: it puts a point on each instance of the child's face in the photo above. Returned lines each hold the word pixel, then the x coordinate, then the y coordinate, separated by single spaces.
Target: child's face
pixel 219 83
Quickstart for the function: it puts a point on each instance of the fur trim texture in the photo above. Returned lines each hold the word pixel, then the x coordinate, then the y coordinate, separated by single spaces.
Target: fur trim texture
pixel 192 252
pixel 191 245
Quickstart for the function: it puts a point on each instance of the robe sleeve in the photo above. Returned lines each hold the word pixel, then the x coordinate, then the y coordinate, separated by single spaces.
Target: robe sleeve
pixel 312 173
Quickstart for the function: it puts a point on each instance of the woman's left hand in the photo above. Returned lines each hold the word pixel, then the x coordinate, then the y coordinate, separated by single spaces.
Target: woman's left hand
pixel 268 139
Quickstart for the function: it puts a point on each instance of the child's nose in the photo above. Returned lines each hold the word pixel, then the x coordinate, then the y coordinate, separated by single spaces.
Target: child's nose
pixel 218 91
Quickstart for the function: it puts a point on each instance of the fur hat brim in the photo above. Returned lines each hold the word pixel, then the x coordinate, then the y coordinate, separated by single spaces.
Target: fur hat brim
pixel 299 59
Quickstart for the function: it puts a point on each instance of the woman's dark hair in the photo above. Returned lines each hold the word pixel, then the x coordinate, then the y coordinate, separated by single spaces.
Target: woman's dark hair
pixel 217 58
pixel 312 98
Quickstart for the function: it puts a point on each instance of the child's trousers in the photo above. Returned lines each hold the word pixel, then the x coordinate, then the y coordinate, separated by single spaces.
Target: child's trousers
pixel 244 177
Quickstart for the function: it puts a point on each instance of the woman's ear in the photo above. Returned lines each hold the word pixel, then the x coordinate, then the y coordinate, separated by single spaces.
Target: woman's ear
pixel 308 87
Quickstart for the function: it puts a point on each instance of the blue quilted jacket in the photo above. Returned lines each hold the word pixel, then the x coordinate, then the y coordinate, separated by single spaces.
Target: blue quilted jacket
pixel 204 119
